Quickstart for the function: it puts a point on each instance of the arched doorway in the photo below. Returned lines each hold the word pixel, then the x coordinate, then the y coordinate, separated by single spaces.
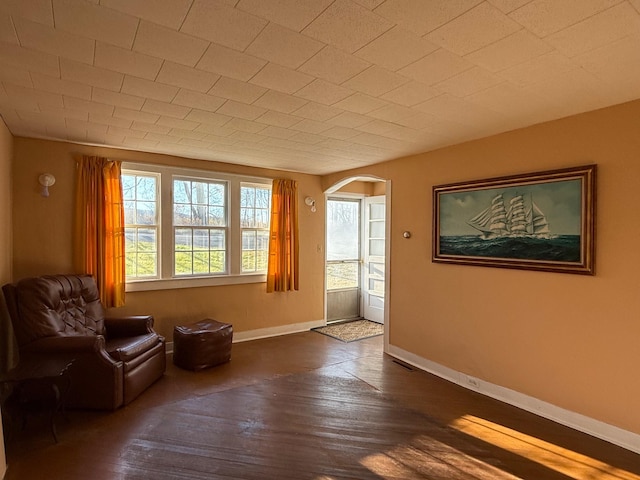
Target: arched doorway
pixel 357 250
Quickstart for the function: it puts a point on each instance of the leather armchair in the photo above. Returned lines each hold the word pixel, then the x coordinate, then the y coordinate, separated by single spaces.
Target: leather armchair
pixel 116 359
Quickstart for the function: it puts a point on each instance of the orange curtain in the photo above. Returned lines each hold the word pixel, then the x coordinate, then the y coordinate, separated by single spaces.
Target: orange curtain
pixel 100 226
pixel 282 271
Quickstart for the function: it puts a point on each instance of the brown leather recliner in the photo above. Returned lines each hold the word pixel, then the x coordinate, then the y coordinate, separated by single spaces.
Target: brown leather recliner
pixel 116 359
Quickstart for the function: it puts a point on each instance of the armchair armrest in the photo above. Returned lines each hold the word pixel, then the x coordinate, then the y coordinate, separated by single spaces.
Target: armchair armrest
pixel 129 326
pixel 67 345
pixel 80 346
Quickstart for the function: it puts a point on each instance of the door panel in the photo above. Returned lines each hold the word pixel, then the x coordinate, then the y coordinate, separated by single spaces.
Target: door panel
pixel 374 258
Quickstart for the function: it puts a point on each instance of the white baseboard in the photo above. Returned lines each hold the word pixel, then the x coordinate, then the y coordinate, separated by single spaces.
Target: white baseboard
pixel 268 332
pixel 276 331
pixel 595 428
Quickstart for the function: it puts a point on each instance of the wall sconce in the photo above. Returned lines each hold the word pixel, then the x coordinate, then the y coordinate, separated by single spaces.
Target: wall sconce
pixel 311 203
pixel 46 180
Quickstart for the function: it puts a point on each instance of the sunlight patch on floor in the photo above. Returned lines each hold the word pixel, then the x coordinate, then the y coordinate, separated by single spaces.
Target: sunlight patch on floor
pixel 416 461
pixel 567 462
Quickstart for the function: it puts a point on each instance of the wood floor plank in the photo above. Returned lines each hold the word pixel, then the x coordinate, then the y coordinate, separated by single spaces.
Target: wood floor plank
pixel 306 406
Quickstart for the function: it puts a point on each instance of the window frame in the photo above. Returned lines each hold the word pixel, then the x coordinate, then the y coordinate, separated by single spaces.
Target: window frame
pixel 166 278
pixel 155 225
pixel 256 229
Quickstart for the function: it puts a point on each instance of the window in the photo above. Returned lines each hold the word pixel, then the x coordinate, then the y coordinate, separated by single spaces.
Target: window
pixel 200 226
pixel 255 202
pixel 140 195
pixel 191 226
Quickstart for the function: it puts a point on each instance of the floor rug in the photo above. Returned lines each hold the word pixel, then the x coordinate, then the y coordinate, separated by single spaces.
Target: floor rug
pixel 352 331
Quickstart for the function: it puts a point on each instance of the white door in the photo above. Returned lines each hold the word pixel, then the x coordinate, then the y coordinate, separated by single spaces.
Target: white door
pixel 374 248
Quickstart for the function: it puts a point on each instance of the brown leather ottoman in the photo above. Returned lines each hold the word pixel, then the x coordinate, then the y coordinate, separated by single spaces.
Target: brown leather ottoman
pixel 202 344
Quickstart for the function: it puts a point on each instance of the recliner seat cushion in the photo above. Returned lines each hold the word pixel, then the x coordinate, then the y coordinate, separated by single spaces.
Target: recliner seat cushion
pixel 128 348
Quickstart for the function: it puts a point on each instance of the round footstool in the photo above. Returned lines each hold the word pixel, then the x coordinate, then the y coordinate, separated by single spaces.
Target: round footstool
pixel 202 344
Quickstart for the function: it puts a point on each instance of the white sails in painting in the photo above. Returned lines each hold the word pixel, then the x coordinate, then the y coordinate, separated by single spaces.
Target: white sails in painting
pixel 517 220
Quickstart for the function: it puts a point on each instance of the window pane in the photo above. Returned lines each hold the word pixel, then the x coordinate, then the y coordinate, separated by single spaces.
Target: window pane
pixel 376 247
pixel 147 265
pixel 247 217
pixel 183 239
pixel 343 220
pixel 248 261
pixel 216 217
pixel 199 193
pixel 147 240
pixel 198 215
pixel 376 229
pixel 141 224
pixel 217 239
pixel 128 187
pixel 249 240
pixel 217 194
pixel 263 241
pixel 183 264
pixel 201 262
pixel 180 191
pixel 146 189
pixel 376 211
pixel 261 260
pixel 248 197
pixel 218 261
pixel 255 202
pixel 342 275
pixel 146 213
pixel 129 212
pixel 181 215
pixel 200 239
pixel 263 197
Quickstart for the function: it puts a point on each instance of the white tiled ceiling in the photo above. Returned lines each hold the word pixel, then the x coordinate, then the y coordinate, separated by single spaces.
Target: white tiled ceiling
pixel 314 86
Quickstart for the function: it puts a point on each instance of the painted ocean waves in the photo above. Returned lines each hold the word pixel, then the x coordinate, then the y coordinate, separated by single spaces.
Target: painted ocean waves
pixel 560 248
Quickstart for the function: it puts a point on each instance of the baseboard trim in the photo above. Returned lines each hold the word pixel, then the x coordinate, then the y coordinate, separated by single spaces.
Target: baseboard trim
pixel 276 331
pixel 268 332
pixel 595 428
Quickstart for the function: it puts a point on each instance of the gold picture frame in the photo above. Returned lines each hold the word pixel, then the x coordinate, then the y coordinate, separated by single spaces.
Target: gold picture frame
pixel 536 221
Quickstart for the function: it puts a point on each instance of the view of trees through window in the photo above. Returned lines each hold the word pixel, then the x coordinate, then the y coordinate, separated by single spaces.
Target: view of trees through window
pixel 255 203
pixel 200 221
pixel 140 195
pixel 196 224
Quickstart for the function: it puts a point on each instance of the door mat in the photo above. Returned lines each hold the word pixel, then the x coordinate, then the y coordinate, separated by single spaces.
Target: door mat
pixel 352 331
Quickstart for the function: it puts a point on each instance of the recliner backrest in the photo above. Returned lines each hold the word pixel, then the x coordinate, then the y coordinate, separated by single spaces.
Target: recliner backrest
pixel 55 305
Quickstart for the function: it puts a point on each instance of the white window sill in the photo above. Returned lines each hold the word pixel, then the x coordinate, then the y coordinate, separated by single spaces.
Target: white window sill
pixel 174 283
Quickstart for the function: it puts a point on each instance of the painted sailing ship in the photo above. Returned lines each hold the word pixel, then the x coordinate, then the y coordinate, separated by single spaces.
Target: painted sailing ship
pixel 497 221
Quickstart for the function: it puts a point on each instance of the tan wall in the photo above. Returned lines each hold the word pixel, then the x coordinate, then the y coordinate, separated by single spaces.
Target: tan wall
pixel 569 340
pixel 6 152
pixel 360 188
pixel 43 243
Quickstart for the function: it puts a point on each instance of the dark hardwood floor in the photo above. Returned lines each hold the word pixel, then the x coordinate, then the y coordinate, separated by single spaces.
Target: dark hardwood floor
pixel 307 406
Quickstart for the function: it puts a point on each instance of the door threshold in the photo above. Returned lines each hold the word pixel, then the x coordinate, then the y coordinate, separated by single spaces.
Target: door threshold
pixel 343 320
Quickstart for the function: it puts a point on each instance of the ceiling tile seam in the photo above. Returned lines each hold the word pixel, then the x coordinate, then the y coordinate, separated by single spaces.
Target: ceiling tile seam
pixel 493 42
pixel 340 50
pixel 316 17
pixel 179 29
pixel 473 7
pixel 14 29
pixel 256 37
pixel 571 58
pixel 597 12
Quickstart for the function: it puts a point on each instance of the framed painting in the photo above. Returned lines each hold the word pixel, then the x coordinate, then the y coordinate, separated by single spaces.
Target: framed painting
pixel 536 221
